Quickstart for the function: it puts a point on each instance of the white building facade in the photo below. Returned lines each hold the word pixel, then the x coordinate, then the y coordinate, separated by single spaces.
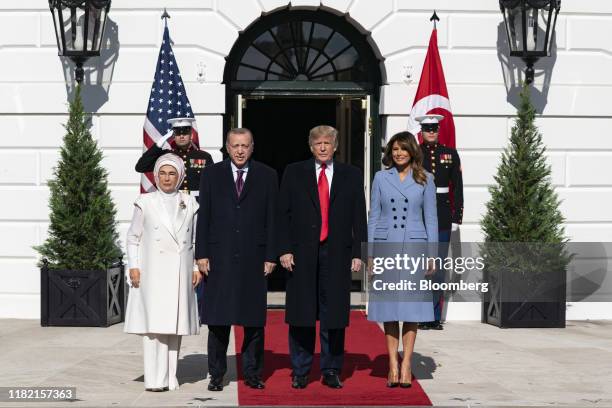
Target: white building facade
pixel 572 91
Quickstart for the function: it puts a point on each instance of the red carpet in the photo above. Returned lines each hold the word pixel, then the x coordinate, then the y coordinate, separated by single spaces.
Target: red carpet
pixel 364 373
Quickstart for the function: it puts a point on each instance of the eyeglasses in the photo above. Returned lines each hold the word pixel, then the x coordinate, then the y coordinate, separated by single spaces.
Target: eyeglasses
pixel 183 130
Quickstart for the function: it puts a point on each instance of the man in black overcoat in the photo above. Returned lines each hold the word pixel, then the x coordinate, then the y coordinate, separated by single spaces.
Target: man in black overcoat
pixel 322 223
pixel 236 250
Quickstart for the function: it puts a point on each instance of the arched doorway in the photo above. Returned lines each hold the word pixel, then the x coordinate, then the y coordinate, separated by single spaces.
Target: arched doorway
pixel 294 69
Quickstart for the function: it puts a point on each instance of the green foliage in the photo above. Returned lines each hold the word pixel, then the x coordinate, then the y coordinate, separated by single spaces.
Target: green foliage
pixel 523 225
pixel 82 231
pixel 524 206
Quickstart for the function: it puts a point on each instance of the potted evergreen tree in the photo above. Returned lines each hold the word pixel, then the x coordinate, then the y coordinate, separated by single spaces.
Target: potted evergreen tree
pixel 82 279
pixel 524 248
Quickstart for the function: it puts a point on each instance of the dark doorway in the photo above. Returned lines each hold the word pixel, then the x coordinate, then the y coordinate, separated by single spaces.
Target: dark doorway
pixel 296 69
pixel 281 125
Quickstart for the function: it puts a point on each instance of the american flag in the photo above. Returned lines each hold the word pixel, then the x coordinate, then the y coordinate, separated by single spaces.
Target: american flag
pixel 168 100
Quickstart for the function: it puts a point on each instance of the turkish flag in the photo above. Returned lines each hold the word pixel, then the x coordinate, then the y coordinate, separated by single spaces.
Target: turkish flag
pixel 432 96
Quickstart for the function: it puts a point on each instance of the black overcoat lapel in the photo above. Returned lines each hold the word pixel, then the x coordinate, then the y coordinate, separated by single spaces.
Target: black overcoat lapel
pixel 337 181
pixel 229 180
pixel 250 180
pixel 310 178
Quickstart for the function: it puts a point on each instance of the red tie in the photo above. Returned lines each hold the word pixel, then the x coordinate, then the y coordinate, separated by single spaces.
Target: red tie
pixel 324 201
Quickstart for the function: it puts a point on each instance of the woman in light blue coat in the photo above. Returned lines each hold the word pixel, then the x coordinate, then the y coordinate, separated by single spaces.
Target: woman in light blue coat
pixel 402 221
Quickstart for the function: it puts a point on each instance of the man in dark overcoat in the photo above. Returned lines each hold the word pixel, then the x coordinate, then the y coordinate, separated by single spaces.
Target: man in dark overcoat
pixel 236 250
pixel 322 223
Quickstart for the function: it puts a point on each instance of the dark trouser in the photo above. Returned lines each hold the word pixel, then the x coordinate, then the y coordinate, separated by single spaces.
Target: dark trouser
pixel 438 295
pixel 302 339
pixel 302 344
pixel 199 290
pixel 252 351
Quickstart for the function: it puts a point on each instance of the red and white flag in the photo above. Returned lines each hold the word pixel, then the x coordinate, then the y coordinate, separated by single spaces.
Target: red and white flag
pixel 432 96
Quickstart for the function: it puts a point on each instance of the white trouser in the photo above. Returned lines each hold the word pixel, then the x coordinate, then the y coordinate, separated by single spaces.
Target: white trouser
pixel 161 352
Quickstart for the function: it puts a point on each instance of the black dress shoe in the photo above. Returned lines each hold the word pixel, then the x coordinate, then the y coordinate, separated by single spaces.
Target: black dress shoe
pixel 299 381
pixel 436 325
pixel 423 326
pixel 215 384
pixel 254 383
pixel 332 380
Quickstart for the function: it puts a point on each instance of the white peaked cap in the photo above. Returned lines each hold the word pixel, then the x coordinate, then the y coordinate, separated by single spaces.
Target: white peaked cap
pixel 427 119
pixel 181 122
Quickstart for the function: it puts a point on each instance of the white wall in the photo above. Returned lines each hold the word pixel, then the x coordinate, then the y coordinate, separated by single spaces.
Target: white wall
pixel 575 122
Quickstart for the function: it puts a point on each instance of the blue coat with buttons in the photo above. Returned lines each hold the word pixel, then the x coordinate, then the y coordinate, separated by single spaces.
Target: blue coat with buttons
pixel 402 211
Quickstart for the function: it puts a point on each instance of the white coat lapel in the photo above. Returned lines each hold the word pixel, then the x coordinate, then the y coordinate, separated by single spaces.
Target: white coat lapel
pixel 181 211
pixel 163 215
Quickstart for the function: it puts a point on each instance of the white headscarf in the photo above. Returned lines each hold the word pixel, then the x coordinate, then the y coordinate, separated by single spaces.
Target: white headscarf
pixel 169 159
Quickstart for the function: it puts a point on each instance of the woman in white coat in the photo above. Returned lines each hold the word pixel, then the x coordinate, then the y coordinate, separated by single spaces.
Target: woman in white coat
pixel 162 304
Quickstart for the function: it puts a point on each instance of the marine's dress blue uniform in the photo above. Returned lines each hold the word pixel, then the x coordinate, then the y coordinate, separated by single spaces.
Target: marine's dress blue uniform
pixel 444 163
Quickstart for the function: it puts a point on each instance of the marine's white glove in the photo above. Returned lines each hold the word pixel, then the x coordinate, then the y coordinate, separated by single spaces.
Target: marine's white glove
pixel 162 140
pixel 454 227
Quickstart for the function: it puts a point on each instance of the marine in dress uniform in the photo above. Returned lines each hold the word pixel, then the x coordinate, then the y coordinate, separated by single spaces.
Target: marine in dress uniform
pixel 194 159
pixel 444 163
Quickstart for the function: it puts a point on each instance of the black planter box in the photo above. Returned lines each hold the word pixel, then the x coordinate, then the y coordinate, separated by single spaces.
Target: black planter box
pixel 512 302
pixel 82 298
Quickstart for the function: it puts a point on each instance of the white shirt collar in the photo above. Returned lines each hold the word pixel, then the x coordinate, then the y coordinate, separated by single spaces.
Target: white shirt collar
pixel 235 168
pixel 329 163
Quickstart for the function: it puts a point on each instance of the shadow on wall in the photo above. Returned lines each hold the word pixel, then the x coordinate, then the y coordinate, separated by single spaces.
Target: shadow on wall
pixel 588 274
pixel 513 69
pixel 98 71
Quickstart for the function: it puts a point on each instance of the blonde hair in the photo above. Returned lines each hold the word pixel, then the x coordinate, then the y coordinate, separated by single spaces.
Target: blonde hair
pixel 323 130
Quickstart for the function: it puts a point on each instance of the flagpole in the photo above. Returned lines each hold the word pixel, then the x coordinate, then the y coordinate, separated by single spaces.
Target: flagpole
pixel 165 16
pixel 434 18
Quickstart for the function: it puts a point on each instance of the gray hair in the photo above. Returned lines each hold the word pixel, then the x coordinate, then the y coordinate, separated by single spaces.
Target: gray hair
pixel 239 131
pixel 323 130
